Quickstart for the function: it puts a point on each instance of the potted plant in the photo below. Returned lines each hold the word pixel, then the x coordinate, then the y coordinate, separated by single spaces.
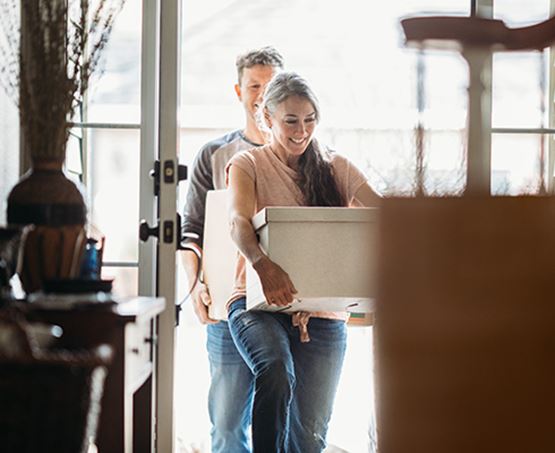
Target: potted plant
pixel 50 49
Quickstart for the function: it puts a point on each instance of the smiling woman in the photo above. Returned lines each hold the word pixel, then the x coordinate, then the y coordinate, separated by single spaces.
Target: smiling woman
pixel 295 373
pixel 293 123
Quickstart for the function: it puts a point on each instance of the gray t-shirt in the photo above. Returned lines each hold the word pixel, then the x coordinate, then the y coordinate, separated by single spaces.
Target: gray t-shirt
pixel 208 173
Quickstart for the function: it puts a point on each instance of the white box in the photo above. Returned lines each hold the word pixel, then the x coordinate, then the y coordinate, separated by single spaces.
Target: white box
pixel 219 256
pixel 329 253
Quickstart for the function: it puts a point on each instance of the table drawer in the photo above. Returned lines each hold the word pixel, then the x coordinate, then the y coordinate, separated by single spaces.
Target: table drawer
pixel 138 354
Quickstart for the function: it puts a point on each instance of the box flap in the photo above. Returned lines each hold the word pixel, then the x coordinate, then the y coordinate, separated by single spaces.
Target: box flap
pixel 313 214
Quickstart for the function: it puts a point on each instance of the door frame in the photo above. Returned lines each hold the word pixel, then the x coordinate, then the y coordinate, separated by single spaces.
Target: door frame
pixel 160 102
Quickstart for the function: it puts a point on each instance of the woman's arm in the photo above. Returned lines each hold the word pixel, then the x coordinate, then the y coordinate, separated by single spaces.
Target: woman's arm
pixel 365 196
pixel 276 284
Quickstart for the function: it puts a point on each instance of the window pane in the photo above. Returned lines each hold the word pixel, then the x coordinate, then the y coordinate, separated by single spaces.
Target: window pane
pixel 114 187
pixel 9 115
pixel 414 7
pixel 444 120
pixel 445 162
pixel 518 13
pixel 9 150
pixel 515 163
pixel 517 76
pixel 385 156
pixel 74 158
pixel 125 280
pixel 115 96
pixel 516 88
pixel 446 83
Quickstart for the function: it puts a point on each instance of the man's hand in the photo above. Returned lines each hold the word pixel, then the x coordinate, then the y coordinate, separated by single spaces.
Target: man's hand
pixel 200 296
pixel 201 301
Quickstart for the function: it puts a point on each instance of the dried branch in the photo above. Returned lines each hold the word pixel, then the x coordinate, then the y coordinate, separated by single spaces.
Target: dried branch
pixel 47 61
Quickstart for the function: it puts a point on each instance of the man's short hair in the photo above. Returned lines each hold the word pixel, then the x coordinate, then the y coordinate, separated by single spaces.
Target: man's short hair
pixel 267 56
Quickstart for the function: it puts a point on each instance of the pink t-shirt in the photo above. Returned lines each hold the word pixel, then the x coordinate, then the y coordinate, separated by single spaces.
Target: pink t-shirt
pixel 275 185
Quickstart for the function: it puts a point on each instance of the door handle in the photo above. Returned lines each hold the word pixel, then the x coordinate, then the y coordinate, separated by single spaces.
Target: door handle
pixel 169 229
pixel 145 231
pixel 181 173
pixel 170 175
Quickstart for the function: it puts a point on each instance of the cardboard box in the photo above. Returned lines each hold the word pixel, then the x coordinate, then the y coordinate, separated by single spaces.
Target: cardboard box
pixel 219 253
pixel 329 253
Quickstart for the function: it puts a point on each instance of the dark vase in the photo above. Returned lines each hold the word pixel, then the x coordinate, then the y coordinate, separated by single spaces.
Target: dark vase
pixel 47 199
pixel 45 196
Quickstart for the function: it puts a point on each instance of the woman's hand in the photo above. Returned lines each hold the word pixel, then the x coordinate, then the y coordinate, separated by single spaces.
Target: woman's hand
pixel 276 284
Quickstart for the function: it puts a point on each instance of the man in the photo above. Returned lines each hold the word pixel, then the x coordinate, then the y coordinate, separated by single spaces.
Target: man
pixel 231 387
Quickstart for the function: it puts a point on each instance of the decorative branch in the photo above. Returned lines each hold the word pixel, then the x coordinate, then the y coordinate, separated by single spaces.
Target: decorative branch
pixel 46 63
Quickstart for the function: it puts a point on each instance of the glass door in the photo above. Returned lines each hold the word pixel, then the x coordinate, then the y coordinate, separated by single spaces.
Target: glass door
pixel 128 124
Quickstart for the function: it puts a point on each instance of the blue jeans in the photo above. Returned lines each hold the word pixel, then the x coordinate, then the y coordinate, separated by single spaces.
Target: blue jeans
pixel 295 383
pixel 231 393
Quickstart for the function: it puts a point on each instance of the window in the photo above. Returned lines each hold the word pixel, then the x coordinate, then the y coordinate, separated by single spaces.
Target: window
pixel 9 145
pixel 9 150
pixel 104 150
pixel 522 110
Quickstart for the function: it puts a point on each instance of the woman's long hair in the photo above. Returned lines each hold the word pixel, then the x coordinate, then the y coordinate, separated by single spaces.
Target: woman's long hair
pixel 316 179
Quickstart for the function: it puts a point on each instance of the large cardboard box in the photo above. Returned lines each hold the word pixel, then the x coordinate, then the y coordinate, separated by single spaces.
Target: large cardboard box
pixel 329 253
pixel 219 253
pixel 465 336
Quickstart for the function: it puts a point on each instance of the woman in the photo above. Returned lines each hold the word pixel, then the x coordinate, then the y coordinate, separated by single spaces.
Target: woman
pixel 295 375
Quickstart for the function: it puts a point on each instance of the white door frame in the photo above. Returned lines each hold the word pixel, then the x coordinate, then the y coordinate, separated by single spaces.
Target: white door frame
pixel 170 65
pixel 149 140
pixel 150 93
pixel 160 139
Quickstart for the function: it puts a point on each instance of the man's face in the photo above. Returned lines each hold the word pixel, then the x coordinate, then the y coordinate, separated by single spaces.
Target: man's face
pixel 252 86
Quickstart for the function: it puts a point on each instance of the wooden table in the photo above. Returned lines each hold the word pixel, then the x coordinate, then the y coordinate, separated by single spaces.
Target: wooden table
pixel 129 326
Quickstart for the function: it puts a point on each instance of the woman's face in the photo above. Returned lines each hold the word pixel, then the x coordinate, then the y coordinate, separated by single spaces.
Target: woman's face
pixel 293 124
